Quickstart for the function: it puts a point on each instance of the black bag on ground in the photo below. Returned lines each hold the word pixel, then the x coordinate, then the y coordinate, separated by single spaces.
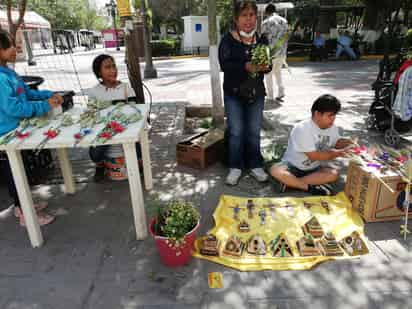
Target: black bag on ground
pixel 37 165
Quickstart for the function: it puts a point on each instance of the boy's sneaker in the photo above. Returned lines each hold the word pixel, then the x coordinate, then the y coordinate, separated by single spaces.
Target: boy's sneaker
pixel 233 177
pixel 319 190
pixel 259 174
pixel 278 186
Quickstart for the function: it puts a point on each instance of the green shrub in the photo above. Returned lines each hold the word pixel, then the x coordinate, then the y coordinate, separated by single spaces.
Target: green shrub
pixel 206 123
pixel 175 220
pixel 169 47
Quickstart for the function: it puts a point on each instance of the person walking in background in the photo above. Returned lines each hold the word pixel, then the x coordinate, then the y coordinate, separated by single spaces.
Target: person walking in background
pixel 275 29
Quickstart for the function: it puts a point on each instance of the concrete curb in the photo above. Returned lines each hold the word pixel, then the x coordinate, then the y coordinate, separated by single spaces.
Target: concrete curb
pixel 289 59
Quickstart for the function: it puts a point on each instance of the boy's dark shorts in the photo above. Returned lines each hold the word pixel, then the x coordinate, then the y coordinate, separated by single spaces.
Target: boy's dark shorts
pixel 298 172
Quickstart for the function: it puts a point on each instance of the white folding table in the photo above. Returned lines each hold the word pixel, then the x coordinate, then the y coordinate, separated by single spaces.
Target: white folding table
pixel 135 132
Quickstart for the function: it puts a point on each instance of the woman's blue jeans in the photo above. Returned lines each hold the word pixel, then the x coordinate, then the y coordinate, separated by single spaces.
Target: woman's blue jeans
pixel 244 123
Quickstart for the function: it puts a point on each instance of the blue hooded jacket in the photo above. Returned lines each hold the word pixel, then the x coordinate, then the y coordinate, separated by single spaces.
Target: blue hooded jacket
pixel 18 101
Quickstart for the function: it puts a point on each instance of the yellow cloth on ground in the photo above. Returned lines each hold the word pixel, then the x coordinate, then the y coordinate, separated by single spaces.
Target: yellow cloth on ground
pixel 341 221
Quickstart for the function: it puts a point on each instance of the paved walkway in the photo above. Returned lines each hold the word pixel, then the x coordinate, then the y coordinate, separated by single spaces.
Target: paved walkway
pixel 91 258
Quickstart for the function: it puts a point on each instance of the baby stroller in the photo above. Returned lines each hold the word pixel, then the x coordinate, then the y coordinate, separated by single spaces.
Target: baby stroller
pixel 381 116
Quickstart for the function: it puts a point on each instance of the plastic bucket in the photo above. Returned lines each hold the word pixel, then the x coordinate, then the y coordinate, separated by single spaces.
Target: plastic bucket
pixel 170 255
pixel 116 168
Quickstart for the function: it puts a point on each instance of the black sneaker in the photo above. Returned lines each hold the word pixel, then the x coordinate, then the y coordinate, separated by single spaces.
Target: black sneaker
pixel 99 174
pixel 319 190
pixel 277 185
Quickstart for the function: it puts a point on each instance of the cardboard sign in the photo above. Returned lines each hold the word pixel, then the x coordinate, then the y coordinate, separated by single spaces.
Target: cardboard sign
pixel 368 191
pixel 123 7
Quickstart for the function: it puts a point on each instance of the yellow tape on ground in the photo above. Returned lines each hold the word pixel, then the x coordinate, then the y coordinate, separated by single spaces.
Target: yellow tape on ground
pixel 341 220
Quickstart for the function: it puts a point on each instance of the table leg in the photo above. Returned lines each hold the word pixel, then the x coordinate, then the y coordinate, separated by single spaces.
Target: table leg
pixel 26 200
pixel 147 165
pixel 66 169
pixel 136 192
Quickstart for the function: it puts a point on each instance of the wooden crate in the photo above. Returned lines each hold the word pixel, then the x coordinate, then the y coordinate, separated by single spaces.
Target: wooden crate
pixel 201 150
pixel 371 198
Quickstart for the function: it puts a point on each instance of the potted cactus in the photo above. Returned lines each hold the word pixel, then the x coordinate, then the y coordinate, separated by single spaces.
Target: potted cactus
pixel 174 230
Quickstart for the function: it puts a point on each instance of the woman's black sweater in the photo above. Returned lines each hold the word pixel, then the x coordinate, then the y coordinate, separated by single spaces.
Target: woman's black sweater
pixel 233 56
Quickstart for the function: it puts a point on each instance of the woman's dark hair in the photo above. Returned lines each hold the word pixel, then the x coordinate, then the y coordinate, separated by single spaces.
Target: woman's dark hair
pixel 270 9
pixel 326 104
pixel 97 64
pixel 242 5
pixel 5 40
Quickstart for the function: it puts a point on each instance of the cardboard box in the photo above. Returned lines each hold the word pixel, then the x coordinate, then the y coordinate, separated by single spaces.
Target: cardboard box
pixel 201 150
pixel 366 189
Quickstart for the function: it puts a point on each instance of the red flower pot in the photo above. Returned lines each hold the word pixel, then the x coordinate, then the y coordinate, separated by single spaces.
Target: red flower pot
pixel 174 256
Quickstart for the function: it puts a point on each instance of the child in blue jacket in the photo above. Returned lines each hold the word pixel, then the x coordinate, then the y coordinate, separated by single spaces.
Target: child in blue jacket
pixel 17 101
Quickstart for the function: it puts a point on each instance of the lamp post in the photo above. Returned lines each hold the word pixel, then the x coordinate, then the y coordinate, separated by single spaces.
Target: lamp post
pixel 111 9
pixel 149 70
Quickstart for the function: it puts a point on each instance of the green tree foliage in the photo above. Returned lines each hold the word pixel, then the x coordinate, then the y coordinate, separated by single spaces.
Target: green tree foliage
pixel 68 14
pixel 149 13
pixel 94 21
pixel 225 11
pixel 170 12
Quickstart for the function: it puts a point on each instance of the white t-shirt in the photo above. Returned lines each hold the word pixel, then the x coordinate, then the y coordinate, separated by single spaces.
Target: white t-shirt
pixel 274 28
pixel 306 136
pixel 120 92
pixel 101 92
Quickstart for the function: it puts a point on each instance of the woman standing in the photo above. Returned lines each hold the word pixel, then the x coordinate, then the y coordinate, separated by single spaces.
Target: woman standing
pixel 244 94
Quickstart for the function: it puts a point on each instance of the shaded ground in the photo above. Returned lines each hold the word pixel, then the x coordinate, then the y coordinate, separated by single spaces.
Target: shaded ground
pixel 92 260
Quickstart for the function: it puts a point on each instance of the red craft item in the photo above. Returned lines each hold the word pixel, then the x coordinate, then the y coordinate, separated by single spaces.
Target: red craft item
pixel 402 159
pixel 359 150
pixel 105 135
pixel 51 133
pixel 116 127
pixel 22 135
pixel 77 136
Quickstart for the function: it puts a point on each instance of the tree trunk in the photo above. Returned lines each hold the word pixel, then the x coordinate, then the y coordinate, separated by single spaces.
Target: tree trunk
pixel 217 106
pixel 13 27
pixel 133 65
pixel 326 19
pixel 371 15
pixel 149 70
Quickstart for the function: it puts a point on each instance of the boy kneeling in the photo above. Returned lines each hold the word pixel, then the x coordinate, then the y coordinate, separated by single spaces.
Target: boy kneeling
pixel 312 141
